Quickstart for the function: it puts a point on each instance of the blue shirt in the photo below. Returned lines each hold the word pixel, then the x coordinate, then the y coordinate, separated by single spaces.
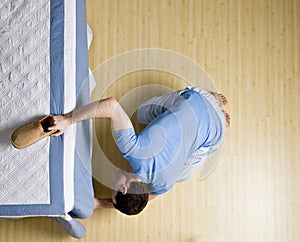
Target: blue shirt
pixel 158 154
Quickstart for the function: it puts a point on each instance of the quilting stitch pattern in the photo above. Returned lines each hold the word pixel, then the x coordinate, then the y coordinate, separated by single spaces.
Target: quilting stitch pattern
pixel 24 97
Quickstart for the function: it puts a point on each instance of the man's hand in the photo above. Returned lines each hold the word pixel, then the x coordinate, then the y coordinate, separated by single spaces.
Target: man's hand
pixel 60 123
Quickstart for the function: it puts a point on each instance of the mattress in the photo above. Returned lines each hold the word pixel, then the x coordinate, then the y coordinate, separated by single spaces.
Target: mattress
pixel 43 69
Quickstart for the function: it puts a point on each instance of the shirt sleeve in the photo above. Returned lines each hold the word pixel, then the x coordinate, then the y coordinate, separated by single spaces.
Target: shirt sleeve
pixel 152 108
pixel 125 139
pixel 161 191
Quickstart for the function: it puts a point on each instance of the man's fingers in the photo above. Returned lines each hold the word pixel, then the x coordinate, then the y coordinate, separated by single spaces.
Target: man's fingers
pixel 58 133
pixel 58 123
pixel 52 127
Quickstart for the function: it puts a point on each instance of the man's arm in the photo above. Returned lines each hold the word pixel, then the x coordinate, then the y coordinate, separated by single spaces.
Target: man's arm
pixel 155 106
pixel 105 108
pixel 103 203
pixel 152 196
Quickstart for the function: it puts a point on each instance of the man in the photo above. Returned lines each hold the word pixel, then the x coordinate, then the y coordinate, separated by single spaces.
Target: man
pixel 183 128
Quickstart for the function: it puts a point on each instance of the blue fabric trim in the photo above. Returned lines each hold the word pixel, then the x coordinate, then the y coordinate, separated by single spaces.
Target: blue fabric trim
pixel 82 71
pixel 57 104
pixel 83 190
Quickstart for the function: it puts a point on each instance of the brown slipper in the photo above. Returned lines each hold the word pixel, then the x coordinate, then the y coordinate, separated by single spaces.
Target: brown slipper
pixel 32 133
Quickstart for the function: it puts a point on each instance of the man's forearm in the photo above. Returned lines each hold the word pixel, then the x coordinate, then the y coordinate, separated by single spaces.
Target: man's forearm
pixel 105 108
pixel 86 112
pixel 103 203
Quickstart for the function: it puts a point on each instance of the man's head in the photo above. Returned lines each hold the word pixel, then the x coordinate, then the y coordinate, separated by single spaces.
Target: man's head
pixel 131 194
pixel 134 201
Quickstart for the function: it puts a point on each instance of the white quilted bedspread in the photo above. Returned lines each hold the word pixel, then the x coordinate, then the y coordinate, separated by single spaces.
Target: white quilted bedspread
pixel 24 97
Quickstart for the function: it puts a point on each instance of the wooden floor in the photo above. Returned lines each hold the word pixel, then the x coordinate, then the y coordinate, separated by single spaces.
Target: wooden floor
pixel 251 50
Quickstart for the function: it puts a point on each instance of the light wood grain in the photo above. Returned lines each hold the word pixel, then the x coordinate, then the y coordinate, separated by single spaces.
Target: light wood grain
pixel 251 49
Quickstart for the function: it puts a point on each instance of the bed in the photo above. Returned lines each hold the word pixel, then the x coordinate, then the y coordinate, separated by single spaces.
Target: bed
pixel 44 69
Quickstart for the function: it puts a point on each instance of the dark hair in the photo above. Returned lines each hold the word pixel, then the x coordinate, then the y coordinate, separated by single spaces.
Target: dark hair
pixel 135 200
